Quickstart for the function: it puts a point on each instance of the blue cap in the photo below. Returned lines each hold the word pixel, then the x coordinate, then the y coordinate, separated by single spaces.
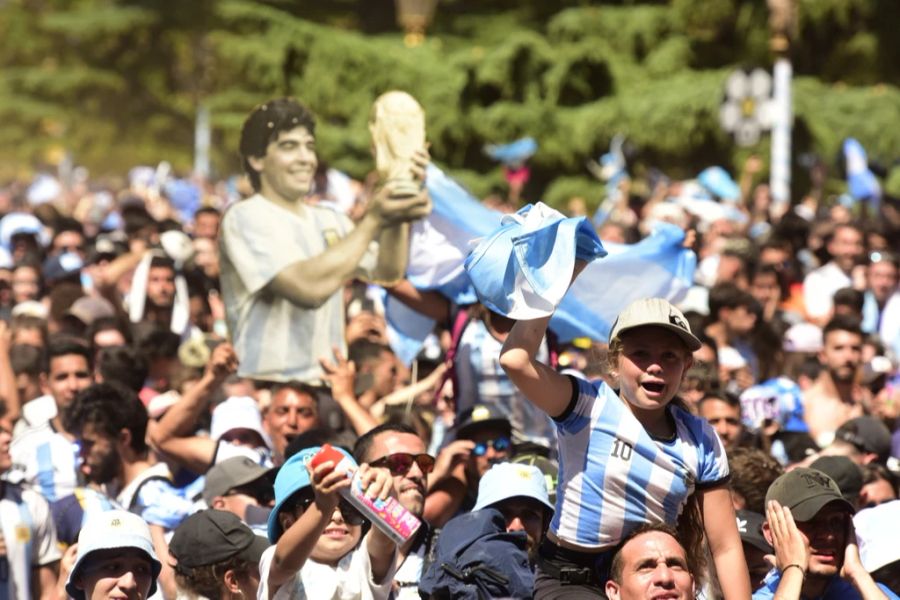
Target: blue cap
pixel 292 477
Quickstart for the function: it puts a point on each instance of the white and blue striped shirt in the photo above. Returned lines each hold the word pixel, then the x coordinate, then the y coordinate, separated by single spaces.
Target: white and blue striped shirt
pixel 613 476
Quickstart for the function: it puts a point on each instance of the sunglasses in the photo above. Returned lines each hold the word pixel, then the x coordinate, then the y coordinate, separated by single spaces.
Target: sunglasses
pixel 501 444
pixel 350 515
pixel 400 463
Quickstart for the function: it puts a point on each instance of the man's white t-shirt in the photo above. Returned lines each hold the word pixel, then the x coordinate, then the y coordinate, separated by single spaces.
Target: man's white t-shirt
pixel 275 339
pixel 819 288
pixel 350 580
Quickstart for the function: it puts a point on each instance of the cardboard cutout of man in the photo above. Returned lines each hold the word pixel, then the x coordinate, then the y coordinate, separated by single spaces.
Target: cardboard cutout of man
pixel 284 261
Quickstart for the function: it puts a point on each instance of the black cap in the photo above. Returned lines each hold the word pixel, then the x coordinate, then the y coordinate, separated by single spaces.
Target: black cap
pixel 868 434
pixel 749 525
pixel 211 536
pixel 239 471
pixel 806 492
pixel 478 416
pixel 845 473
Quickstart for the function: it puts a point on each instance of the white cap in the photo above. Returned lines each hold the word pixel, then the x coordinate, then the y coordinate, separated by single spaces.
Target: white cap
pixel 237 412
pixel 512 480
pixel 877 532
pixel 107 530
pixel 731 359
pixel 803 337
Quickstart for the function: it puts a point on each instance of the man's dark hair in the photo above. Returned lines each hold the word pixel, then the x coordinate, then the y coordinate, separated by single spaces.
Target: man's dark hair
pixel 615 569
pixel 264 125
pixel 162 261
pixel 843 323
pixel 109 408
pixel 123 365
pixel 727 397
pixel 849 297
pixel 727 295
pixel 155 342
pixel 752 472
pixel 297 386
pixel 136 217
pixel 207 210
pixel 27 359
pixel 66 224
pixel 363 352
pixel 63 346
pixel 363 444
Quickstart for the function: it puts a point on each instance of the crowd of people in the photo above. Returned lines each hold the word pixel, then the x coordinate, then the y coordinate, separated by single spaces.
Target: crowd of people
pixel 174 353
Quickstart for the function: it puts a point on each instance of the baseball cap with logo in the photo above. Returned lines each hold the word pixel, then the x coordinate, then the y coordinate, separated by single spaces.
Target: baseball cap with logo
pixel 846 474
pixel 655 312
pixel 112 530
pixel 806 492
pixel 749 526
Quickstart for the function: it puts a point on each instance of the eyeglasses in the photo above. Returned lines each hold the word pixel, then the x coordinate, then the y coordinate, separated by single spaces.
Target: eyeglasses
pixel 400 463
pixel 501 444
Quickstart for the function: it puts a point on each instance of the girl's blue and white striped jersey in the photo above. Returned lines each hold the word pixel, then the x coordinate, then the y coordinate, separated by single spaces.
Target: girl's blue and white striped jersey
pixel 613 476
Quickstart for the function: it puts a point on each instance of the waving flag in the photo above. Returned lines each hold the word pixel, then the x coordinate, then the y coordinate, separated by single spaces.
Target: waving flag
pixel 656 266
pixel 860 180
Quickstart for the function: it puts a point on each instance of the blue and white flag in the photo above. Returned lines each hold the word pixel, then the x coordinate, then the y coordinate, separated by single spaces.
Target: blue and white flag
pixel 514 153
pixel 656 266
pixel 860 180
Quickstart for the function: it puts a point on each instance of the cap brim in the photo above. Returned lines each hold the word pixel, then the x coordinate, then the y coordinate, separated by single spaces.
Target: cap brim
pixel 689 339
pixel 808 509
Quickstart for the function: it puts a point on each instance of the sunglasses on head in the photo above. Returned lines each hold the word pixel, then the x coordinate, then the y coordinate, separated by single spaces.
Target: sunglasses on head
pixel 400 463
pixel 500 444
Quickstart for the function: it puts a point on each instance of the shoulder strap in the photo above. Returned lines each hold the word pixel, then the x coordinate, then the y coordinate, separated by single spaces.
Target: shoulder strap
pixel 133 503
pixel 460 321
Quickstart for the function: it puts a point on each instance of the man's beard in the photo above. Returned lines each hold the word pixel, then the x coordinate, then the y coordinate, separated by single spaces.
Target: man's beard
pixel 105 471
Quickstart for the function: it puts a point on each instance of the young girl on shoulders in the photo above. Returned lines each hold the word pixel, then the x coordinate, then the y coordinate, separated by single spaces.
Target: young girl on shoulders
pixel 628 456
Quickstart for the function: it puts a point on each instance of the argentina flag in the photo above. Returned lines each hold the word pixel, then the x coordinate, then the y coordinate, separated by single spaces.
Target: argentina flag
pixel 658 265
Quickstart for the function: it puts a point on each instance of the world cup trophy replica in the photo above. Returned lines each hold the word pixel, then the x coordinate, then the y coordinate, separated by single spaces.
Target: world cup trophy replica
pixel 397 126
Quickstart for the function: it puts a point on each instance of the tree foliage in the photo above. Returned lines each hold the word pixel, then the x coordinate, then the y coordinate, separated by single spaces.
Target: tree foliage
pixel 118 82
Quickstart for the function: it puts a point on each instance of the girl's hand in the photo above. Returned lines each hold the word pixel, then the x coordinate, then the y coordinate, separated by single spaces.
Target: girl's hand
pixel 790 548
pixel 327 484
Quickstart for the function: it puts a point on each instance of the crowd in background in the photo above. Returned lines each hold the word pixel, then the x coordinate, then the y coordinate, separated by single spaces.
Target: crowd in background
pixel 120 390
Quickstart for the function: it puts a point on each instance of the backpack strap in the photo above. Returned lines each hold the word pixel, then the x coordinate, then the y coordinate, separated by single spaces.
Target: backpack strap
pixel 460 322
pixel 133 504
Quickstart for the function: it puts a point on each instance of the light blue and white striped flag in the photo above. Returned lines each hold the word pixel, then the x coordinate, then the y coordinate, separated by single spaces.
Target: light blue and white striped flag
pixel 656 266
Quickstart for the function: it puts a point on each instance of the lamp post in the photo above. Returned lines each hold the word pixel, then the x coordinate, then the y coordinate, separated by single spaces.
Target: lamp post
pixel 414 16
pixel 782 22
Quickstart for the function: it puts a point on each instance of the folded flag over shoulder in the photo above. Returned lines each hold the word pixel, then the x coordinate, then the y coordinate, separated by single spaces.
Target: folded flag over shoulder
pixel 656 266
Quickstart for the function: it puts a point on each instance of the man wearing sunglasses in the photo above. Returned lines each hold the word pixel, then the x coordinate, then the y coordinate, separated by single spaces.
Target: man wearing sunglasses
pixel 399 448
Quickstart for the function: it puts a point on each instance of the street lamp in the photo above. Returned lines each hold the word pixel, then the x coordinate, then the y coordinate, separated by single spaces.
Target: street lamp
pixel 414 16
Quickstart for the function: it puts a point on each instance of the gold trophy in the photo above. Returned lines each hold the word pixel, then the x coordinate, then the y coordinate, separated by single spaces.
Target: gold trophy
pixel 397 126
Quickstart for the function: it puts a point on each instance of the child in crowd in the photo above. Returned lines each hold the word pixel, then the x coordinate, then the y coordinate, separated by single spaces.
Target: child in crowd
pixel 317 551
pixel 627 456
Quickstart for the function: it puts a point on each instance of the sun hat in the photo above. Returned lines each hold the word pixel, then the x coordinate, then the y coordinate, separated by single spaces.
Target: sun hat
pixel 512 480
pixel 109 530
pixel 237 412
